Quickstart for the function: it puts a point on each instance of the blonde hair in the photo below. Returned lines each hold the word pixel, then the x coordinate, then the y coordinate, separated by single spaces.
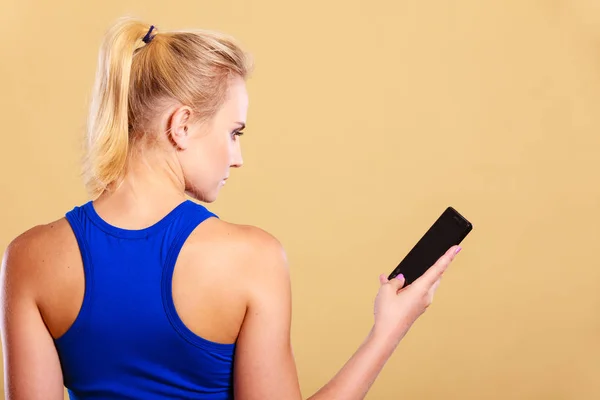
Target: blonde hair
pixel 134 78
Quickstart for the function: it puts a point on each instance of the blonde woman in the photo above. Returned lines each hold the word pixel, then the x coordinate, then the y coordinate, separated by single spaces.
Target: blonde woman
pixel 142 293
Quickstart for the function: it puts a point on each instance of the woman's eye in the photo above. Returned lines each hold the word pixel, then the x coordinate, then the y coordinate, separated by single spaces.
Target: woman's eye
pixel 237 133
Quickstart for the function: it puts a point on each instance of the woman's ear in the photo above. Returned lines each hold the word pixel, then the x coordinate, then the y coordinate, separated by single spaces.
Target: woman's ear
pixel 180 126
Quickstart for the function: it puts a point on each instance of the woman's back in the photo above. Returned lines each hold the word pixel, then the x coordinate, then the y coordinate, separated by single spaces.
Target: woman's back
pixel 151 312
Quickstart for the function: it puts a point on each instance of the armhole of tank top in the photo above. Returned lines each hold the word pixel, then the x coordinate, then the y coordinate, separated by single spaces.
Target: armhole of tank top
pixel 87 276
pixel 167 293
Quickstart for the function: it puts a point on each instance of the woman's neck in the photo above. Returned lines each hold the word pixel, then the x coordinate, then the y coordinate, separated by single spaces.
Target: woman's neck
pixel 151 187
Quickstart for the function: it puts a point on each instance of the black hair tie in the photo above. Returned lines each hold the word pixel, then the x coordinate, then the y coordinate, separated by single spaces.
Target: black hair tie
pixel 147 39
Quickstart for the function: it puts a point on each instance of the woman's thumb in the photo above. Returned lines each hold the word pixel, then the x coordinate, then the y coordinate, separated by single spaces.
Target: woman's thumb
pixel 398 282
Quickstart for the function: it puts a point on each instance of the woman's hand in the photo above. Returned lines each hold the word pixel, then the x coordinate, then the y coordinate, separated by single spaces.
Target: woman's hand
pixel 397 308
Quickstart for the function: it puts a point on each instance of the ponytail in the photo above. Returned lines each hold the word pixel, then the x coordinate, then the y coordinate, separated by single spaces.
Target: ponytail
pixel 132 82
pixel 107 143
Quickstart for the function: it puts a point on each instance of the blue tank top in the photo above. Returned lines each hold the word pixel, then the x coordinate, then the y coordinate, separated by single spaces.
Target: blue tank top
pixel 128 341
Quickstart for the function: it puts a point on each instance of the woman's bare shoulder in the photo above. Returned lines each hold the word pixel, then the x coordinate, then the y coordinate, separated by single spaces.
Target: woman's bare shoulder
pixel 244 245
pixel 36 248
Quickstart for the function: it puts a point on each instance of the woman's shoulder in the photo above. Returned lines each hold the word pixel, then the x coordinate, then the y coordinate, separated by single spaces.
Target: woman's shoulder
pixel 245 246
pixel 39 239
pixel 33 252
pixel 247 238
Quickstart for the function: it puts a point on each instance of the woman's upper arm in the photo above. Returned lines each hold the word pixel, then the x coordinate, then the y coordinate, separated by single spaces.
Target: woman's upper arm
pixel 31 364
pixel 265 368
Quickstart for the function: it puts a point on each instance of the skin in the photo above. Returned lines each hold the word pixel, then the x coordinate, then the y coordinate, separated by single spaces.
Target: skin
pixel 42 280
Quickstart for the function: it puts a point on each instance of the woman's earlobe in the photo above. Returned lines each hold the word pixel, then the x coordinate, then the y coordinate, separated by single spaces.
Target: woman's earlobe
pixel 179 136
pixel 173 140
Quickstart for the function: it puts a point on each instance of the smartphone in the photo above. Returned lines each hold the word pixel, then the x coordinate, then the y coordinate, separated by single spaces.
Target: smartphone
pixel 449 230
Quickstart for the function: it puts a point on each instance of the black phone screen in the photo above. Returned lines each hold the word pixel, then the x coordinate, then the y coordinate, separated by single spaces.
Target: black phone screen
pixel 449 230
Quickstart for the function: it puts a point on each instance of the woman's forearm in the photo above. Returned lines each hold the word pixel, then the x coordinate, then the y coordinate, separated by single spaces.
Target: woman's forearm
pixel 354 380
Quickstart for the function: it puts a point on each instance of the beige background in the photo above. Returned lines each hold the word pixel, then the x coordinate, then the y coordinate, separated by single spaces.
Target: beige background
pixel 366 120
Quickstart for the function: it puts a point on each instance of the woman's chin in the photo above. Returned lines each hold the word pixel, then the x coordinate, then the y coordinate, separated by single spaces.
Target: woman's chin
pixel 205 197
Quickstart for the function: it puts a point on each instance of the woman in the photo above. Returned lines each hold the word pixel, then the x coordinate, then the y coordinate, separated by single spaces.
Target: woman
pixel 144 294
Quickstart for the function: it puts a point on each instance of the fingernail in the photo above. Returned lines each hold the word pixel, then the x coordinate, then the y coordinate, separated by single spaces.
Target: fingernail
pixel 457 250
pixel 399 277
